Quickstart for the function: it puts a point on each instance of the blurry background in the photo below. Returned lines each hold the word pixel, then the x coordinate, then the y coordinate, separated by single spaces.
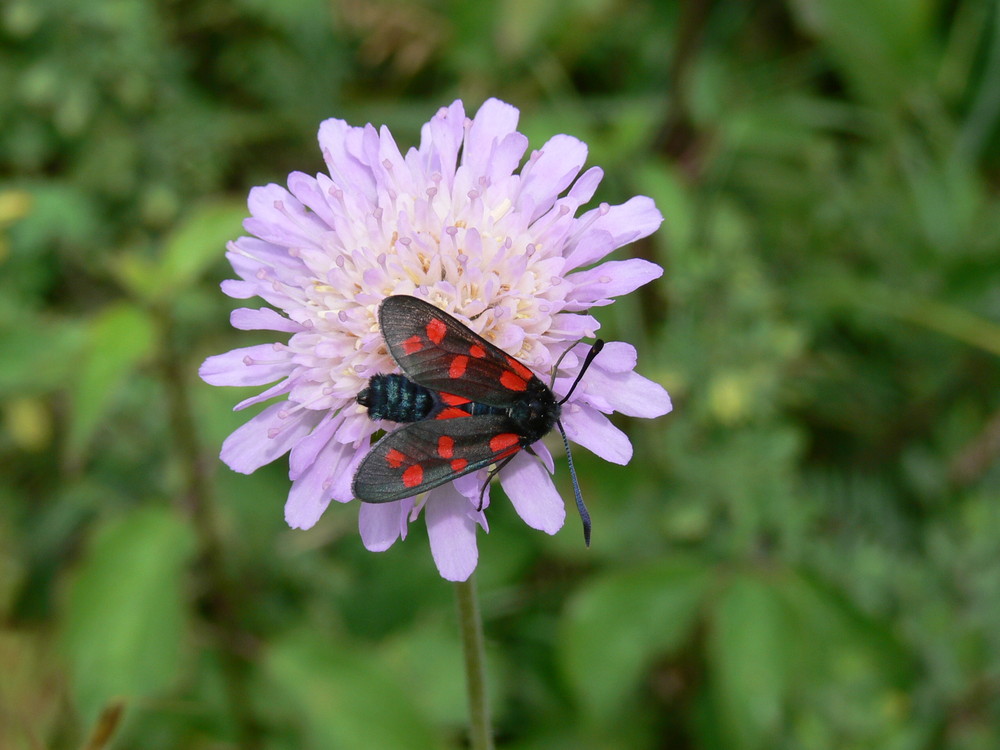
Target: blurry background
pixel 805 554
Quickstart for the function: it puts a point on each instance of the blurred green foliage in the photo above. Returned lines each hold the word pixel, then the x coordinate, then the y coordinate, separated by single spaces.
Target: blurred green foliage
pixel 805 554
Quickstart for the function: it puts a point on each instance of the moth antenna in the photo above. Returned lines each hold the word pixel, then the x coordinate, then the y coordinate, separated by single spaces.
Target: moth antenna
pixel 584 515
pixel 594 351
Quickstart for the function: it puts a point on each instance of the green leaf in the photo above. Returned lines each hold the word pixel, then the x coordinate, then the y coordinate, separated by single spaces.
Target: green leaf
pixel 833 635
pixel 878 46
pixel 61 213
pixel 621 623
pixel 666 187
pixel 124 618
pixel 192 248
pixel 521 24
pixel 47 353
pixel 345 698
pixel 749 636
pixel 119 339
pixel 199 242
pixel 426 653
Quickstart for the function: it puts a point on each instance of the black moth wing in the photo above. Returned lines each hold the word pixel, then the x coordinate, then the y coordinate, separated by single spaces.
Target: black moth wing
pixel 442 354
pixel 437 447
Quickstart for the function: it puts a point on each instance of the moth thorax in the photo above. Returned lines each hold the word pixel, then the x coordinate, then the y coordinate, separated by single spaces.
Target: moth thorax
pixel 396 398
pixel 536 411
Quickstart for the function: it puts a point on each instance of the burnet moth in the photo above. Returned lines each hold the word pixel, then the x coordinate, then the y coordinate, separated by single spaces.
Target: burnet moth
pixel 467 405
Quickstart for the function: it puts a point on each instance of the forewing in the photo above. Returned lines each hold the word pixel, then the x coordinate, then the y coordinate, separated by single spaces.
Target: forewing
pixel 440 353
pixel 429 453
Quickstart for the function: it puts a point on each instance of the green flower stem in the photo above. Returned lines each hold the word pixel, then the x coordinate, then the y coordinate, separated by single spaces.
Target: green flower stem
pixel 471 624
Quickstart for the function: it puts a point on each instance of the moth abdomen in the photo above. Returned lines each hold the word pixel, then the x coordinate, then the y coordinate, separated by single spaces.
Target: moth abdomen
pixel 396 398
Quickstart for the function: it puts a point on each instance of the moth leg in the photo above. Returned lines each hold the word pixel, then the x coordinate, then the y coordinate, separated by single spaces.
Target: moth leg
pixel 555 369
pixel 489 478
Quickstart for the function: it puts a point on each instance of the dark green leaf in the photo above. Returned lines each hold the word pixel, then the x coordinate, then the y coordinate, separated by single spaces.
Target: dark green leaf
pixel 619 623
pixel 119 339
pixel 123 625
pixel 748 658
pixel 43 353
pixel 344 697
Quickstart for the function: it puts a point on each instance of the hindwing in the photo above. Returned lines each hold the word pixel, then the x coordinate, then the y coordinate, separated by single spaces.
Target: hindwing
pixel 425 454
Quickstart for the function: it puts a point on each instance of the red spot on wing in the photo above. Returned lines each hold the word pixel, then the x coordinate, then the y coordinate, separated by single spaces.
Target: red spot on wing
pixel 436 330
pixel 512 382
pixel 451 413
pixel 394 458
pixel 503 441
pixel 477 351
pixel 458 464
pixel 446 447
pixel 457 368
pixel 452 400
pixel 413 476
pixel 413 345
pixel 520 369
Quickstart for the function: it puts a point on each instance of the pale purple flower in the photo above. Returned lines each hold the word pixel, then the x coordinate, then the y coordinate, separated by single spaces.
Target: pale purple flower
pixel 454 222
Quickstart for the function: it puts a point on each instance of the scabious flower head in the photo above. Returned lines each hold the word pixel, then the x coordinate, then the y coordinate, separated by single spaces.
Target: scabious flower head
pixel 454 222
